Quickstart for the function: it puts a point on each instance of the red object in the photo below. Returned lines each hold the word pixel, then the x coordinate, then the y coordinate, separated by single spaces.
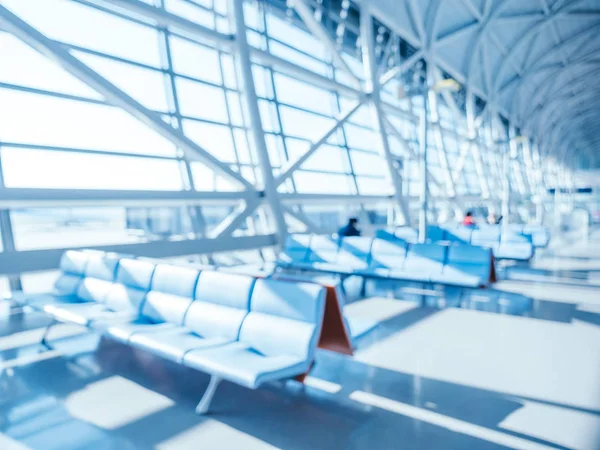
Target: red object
pixel 334 335
pixel 468 221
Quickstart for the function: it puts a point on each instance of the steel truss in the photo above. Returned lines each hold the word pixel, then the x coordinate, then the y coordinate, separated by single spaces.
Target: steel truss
pixel 249 198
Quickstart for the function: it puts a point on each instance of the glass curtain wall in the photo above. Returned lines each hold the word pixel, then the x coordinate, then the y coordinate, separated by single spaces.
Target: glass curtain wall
pixel 56 133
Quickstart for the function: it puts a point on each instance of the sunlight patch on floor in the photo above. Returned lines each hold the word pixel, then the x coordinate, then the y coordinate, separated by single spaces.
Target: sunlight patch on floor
pixel 557 362
pixel 29 359
pixel 32 337
pixel 102 403
pixel 364 315
pixel 213 434
pixel 322 385
pixel 578 430
pixel 450 423
pixel 7 443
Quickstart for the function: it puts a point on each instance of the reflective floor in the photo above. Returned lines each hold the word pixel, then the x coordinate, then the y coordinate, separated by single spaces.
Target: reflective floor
pixel 423 378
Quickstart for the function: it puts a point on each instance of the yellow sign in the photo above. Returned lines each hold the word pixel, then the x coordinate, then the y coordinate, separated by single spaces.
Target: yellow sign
pixel 448 84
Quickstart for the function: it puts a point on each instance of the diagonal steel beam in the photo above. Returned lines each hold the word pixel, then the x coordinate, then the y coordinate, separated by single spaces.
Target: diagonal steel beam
pixel 287 172
pixel 237 217
pixel 248 91
pixel 408 151
pixel 475 147
pixel 300 217
pixel 435 76
pixel 400 69
pixel 320 33
pixel 115 96
pixel 387 52
pixel 379 126
pixel 165 19
pixel 411 153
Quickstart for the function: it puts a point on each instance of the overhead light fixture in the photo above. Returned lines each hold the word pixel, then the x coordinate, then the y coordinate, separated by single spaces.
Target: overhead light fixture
pixel 447 84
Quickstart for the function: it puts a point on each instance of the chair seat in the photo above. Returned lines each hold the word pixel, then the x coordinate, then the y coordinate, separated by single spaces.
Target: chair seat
pixel 84 313
pixel 123 332
pixel 298 265
pixel 353 263
pixel 239 363
pixel 38 301
pixel 492 245
pixel 458 277
pixel 333 268
pixel 254 270
pixel 174 343
pixel 521 252
pixel 413 275
pixel 377 272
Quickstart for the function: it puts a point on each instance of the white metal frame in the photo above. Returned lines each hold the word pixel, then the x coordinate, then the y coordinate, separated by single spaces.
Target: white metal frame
pixel 377 76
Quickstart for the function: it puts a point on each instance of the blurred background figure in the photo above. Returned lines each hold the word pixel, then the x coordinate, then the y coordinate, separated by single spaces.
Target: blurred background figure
pixel 350 228
pixel 468 221
pixel 493 219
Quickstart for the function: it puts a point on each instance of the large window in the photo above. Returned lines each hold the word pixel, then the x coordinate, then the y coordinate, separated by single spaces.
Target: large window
pixel 350 162
pixel 57 133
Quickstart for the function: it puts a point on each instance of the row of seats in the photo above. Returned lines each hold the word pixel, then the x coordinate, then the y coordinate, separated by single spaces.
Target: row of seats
pixel 505 244
pixel 540 236
pixel 483 300
pixel 461 265
pixel 491 235
pixel 232 326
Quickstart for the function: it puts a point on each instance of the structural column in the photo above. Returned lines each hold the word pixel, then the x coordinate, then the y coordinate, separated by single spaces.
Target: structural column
pixel 506 166
pixel 194 211
pixel 242 53
pixel 423 192
pixel 373 87
pixel 434 77
pixel 474 145
pixel 538 181
pixel 6 233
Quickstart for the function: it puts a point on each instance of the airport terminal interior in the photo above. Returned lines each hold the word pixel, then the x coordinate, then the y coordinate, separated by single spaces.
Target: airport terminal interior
pixel 299 224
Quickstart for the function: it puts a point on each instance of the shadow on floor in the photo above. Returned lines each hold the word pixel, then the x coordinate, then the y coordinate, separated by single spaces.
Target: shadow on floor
pixel 587 316
pixel 562 312
pixel 34 411
pixel 394 325
pixel 38 418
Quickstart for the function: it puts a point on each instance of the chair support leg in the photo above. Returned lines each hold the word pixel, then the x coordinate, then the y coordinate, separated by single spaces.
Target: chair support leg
pixel 204 403
pixel 363 287
pixel 44 340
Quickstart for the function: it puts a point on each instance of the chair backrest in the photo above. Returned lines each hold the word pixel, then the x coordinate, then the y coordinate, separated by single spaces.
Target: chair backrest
pixel 131 285
pixel 512 237
pixel 407 234
pixel 385 234
pixel 469 254
pixel 515 246
pixel 459 234
pixel 540 236
pixel 285 318
pixel 296 248
pixel 355 251
pixel 533 228
pixel 171 293
pixel 436 233
pixel 72 271
pixel 323 249
pixel 388 254
pixel 489 233
pixel 221 303
pixel 425 257
pixel 515 227
pixel 99 276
